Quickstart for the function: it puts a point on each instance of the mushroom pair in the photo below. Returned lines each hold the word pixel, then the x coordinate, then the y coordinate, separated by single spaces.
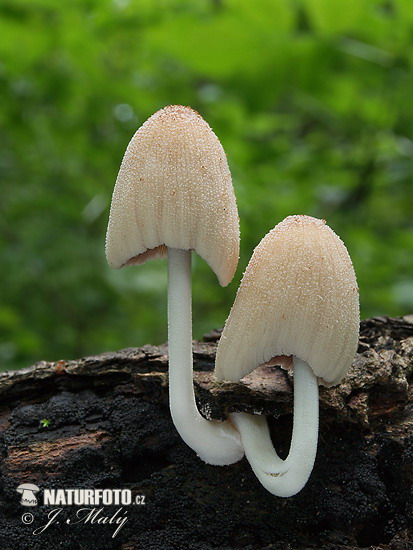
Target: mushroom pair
pixel 297 300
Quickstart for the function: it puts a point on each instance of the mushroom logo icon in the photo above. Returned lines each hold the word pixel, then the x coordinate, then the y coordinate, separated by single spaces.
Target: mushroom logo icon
pixel 28 491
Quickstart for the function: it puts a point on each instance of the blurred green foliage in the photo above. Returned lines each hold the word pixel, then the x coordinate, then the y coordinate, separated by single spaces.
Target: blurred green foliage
pixel 312 101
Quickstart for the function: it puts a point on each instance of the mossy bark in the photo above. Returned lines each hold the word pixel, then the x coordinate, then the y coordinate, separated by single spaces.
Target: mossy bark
pixel 103 422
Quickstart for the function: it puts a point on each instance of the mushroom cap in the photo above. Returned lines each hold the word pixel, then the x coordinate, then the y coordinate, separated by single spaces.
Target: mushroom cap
pixel 174 189
pixel 27 487
pixel 298 296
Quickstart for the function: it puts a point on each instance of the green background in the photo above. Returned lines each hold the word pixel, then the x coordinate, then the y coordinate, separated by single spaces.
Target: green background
pixel 312 101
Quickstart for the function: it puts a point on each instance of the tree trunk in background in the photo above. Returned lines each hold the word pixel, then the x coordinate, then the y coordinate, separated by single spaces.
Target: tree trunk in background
pixel 103 422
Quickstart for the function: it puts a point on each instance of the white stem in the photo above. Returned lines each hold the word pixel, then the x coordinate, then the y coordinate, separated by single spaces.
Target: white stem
pixel 285 478
pixel 214 442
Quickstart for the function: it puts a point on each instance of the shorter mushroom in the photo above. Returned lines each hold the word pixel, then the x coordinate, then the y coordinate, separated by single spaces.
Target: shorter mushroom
pixel 298 305
pixel 28 491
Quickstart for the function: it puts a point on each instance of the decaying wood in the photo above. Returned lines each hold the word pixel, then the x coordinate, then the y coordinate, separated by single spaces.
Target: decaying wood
pixel 108 425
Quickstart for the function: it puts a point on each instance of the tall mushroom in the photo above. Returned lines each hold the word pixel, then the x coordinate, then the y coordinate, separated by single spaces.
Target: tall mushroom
pixel 173 195
pixel 297 304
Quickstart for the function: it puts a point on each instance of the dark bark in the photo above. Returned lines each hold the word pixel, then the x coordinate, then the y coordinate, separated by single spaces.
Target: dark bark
pixel 110 428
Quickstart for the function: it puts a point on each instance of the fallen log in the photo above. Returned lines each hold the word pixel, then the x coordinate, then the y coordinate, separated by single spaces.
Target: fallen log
pixel 103 422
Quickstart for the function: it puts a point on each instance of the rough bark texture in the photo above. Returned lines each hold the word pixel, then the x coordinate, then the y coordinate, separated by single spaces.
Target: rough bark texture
pixel 110 428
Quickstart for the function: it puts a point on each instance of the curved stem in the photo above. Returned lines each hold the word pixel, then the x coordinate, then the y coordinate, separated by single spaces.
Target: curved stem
pixel 215 442
pixel 287 477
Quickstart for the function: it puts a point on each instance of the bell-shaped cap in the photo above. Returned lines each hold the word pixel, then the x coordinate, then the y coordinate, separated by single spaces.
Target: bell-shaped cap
pixel 298 296
pixel 174 189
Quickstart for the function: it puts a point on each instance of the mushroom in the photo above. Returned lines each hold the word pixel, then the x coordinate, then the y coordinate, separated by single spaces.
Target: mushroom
pixel 28 491
pixel 298 306
pixel 173 195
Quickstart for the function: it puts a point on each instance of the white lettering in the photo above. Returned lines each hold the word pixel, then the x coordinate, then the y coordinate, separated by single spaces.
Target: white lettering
pixel 126 497
pixel 48 496
pixel 87 497
pixel 52 518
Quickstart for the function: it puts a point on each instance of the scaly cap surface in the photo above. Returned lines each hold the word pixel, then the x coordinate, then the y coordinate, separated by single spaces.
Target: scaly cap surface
pixel 298 296
pixel 174 189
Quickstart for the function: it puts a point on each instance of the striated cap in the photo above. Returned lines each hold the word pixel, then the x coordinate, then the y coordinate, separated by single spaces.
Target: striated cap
pixel 174 189
pixel 298 296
